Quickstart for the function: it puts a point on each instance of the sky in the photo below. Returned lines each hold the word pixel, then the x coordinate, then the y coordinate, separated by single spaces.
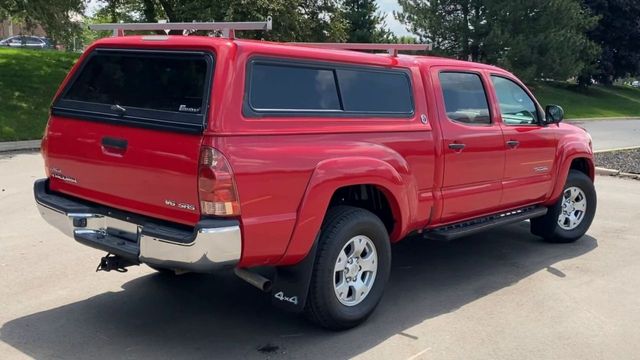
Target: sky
pixel 386 7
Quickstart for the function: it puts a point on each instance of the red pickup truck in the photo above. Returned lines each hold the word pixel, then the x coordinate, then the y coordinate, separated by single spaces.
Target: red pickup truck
pixel 298 167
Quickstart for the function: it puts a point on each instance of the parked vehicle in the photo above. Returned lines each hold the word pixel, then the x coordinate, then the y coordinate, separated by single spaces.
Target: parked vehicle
pixel 35 42
pixel 191 153
pixel 636 84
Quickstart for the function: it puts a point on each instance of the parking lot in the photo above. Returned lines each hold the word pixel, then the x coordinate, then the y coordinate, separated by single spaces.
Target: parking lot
pixel 503 294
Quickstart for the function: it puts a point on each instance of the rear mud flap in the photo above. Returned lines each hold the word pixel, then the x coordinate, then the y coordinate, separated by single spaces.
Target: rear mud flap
pixel 291 284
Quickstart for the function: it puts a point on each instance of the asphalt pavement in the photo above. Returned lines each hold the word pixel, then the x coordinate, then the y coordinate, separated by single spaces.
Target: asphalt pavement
pixel 504 294
pixel 612 134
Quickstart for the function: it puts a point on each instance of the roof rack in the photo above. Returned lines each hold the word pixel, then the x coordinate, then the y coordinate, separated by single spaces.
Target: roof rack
pixel 392 49
pixel 228 28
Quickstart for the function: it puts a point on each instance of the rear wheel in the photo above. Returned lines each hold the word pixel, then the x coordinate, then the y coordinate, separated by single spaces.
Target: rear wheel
pixel 351 270
pixel 570 218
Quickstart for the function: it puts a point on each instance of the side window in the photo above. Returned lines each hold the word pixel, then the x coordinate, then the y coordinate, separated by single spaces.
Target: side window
pixel 280 87
pixel 375 91
pixel 33 41
pixel 292 88
pixel 465 99
pixel 516 106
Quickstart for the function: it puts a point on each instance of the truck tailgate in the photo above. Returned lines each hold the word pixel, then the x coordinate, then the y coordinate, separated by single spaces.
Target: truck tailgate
pixel 156 175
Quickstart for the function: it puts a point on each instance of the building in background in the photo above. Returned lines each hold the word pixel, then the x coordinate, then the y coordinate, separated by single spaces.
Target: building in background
pixel 10 28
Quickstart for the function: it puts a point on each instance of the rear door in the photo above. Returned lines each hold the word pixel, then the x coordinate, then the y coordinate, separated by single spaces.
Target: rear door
pixel 472 144
pixel 127 129
pixel 530 147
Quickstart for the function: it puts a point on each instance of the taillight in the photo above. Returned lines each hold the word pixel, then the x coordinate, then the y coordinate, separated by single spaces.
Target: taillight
pixel 216 185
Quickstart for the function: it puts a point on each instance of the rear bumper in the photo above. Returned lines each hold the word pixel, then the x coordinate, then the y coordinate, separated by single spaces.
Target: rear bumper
pixel 209 246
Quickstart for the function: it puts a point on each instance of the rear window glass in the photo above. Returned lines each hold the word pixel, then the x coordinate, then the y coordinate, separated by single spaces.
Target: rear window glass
pixel 280 87
pixel 167 82
pixel 465 99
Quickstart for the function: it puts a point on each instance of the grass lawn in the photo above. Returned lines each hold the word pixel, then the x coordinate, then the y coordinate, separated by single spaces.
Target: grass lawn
pixel 596 101
pixel 28 81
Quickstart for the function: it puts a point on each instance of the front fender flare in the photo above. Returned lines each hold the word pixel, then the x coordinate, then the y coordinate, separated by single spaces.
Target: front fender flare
pixel 333 174
pixel 570 152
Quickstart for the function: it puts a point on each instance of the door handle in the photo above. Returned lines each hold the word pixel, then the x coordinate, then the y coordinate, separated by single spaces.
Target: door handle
pixel 456 146
pixel 513 143
pixel 114 143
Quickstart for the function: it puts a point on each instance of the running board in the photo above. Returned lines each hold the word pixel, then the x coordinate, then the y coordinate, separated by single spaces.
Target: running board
pixel 454 231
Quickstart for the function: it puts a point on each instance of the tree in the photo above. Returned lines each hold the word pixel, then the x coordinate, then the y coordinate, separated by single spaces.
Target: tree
pixel 406 40
pixel 454 27
pixel 533 38
pixel 364 22
pixel 294 20
pixel 618 33
pixel 544 39
pixel 55 16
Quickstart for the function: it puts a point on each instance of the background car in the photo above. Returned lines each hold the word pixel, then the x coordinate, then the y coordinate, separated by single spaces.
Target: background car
pixel 36 42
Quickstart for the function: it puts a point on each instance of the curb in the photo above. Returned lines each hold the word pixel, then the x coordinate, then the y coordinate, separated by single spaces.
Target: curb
pixel 616 173
pixel 605 171
pixel 629 176
pixel 617 149
pixel 9 146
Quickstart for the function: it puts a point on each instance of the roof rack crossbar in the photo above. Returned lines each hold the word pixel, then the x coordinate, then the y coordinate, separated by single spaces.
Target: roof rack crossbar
pixel 392 49
pixel 228 28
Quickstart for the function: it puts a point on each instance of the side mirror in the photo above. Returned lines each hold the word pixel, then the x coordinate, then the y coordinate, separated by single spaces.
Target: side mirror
pixel 554 114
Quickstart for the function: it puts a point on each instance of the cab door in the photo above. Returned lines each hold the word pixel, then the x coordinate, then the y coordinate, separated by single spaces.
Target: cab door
pixel 473 146
pixel 529 145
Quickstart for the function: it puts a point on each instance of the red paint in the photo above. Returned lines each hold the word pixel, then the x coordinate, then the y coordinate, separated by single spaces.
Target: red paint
pixel 286 169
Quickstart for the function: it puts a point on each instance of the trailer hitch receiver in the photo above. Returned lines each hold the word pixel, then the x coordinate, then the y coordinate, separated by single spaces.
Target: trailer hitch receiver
pixel 114 262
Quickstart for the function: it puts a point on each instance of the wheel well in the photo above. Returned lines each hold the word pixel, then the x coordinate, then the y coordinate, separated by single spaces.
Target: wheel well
pixel 367 197
pixel 582 165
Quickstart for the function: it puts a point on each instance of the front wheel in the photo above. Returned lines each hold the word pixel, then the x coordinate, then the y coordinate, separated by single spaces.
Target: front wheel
pixel 570 218
pixel 351 270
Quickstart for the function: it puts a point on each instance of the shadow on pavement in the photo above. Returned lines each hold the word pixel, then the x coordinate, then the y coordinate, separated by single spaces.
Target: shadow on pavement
pixel 219 316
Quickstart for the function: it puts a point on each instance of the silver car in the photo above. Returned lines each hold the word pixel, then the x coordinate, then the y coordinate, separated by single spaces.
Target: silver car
pixel 27 41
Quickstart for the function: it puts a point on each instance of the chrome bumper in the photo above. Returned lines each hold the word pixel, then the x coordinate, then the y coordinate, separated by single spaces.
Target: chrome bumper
pixel 213 244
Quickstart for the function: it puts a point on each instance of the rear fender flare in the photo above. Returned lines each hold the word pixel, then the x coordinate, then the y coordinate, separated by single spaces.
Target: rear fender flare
pixel 333 174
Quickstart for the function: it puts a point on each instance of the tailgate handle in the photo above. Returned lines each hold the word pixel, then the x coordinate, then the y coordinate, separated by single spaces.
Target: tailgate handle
pixel 114 143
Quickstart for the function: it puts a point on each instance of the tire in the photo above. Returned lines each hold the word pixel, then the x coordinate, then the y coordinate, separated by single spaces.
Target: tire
pixel 574 227
pixel 359 232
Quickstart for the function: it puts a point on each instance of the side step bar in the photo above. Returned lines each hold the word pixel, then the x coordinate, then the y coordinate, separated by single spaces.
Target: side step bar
pixel 454 231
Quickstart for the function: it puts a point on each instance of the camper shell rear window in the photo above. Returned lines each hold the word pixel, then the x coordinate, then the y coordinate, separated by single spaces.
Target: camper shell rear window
pixel 158 89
